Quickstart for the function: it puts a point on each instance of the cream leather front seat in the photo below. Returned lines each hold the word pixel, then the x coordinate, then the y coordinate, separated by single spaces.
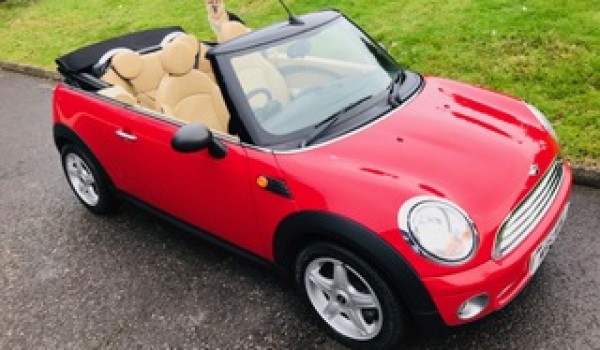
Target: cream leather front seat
pixel 186 93
pixel 202 62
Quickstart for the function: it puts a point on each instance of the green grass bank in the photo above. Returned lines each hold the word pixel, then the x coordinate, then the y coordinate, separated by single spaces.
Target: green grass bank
pixel 544 51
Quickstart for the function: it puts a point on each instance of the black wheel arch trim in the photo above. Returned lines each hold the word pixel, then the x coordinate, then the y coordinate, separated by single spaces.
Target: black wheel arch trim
pixel 302 228
pixel 62 135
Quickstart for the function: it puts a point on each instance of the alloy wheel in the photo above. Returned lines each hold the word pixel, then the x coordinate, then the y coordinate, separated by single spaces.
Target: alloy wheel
pixel 343 298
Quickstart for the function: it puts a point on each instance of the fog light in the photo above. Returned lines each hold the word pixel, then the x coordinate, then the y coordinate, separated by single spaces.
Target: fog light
pixel 473 307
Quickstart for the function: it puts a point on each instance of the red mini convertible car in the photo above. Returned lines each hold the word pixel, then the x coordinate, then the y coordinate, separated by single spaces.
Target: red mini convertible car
pixel 390 197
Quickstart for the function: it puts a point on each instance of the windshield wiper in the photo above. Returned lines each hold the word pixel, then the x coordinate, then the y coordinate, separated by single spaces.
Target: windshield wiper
pixel 393 97
pixel 328 122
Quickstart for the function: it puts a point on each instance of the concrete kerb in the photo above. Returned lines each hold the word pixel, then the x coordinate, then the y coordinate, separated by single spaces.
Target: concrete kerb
pixel 30 70
pixel 584 175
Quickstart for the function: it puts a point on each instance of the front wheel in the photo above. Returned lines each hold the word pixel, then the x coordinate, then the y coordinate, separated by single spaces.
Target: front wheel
pixel 355 304
pixel 87 179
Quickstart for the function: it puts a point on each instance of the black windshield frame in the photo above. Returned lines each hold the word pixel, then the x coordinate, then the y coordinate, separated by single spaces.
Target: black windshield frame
pixel 243 120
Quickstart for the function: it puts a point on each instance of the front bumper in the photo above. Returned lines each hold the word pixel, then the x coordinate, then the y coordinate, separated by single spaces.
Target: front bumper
pixel 501 280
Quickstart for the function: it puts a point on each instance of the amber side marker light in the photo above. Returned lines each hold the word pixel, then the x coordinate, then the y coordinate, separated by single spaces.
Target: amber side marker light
pixel 262 182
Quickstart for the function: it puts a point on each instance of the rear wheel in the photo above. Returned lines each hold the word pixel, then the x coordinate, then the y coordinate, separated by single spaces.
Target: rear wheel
pixel 87 179
pixel 350 298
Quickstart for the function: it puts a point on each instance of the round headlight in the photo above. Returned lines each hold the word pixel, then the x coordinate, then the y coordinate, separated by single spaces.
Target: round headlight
pixel 543 120
pixel 438 229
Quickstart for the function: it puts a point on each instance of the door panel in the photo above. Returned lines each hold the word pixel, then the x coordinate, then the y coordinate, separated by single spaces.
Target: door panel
pixel 212 194
pixel 95 122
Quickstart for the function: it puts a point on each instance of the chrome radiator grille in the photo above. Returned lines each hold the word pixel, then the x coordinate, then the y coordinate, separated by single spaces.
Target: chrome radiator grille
pixel 521 222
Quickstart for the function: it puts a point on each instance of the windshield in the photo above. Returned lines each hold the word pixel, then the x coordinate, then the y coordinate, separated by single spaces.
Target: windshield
pixel 294 85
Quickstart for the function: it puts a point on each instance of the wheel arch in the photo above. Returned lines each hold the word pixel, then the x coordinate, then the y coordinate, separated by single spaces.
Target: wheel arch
pixel 64 135
pixel 300 229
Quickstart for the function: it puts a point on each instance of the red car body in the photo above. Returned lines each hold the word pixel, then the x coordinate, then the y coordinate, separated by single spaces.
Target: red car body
pixel 457 159
pixel 451 140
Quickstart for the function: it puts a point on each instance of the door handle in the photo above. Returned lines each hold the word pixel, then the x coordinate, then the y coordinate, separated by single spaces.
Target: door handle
pixel 125 135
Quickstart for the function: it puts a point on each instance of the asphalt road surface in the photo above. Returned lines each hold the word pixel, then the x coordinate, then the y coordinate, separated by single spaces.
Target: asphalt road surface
pixel 71 280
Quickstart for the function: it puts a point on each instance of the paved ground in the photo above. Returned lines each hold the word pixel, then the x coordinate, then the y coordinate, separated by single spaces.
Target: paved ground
pixel 72 280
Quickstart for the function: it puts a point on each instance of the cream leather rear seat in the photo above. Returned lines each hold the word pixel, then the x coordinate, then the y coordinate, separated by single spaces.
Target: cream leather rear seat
pixel 187 94
pixel 142 73
pixel 110 75
pixel 120 94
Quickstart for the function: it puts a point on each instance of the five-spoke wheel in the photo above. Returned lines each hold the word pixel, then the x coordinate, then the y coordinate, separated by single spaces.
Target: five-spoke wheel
pixel 87 179
pixel 343 298
pixel 349 296
pixel 81 179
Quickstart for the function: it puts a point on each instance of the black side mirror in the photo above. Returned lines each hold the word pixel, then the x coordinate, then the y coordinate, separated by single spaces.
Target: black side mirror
pixel 195 137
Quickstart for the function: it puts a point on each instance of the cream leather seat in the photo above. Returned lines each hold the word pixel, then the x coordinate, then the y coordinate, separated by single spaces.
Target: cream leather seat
pixel 120 94
pixel 110 75
pixel 143 73
pixel 202 63
pixel 186 93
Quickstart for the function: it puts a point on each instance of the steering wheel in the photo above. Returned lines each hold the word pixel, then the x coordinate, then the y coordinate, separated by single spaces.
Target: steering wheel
pixel 269 108
pixel 260 91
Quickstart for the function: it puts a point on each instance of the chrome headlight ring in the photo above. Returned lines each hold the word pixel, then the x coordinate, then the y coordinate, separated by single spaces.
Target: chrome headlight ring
pixel 438 230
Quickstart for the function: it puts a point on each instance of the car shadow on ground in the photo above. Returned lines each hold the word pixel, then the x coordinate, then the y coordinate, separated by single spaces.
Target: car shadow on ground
pixel 264 306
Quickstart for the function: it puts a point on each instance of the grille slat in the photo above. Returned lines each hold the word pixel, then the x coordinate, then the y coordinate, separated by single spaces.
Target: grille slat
pixel 519 229
pixel 521 222
pixel 537 206
pixel 535 199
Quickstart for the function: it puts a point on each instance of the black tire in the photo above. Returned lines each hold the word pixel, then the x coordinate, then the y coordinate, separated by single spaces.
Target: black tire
pixel 392 325
pixel 105 202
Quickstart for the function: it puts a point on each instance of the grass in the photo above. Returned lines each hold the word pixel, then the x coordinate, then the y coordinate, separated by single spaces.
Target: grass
pixel 544 51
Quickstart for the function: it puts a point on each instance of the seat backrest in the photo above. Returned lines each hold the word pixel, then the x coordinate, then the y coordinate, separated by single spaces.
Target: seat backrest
pixel 120 94
pixel 187 94
pixel 108 74
pixel 143 74
pixel 147 82
pixel 114 79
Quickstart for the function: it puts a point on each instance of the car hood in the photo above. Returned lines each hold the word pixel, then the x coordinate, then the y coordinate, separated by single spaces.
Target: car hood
pixel 452 140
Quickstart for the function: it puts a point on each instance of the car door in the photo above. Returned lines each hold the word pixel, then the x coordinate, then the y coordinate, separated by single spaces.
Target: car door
pixel 211 194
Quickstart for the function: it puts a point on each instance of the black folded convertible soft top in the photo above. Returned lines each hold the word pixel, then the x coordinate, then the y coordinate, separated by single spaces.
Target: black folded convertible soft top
pixel 84 58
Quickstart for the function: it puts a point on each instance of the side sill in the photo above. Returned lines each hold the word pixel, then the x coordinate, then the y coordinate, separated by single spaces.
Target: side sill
pixel 199 233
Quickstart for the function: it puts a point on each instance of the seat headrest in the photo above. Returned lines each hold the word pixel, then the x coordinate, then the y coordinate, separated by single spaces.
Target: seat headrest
pixel 128 64
pixel 177 58
pixel 188 40
pixel 231 30
pixel 169 37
